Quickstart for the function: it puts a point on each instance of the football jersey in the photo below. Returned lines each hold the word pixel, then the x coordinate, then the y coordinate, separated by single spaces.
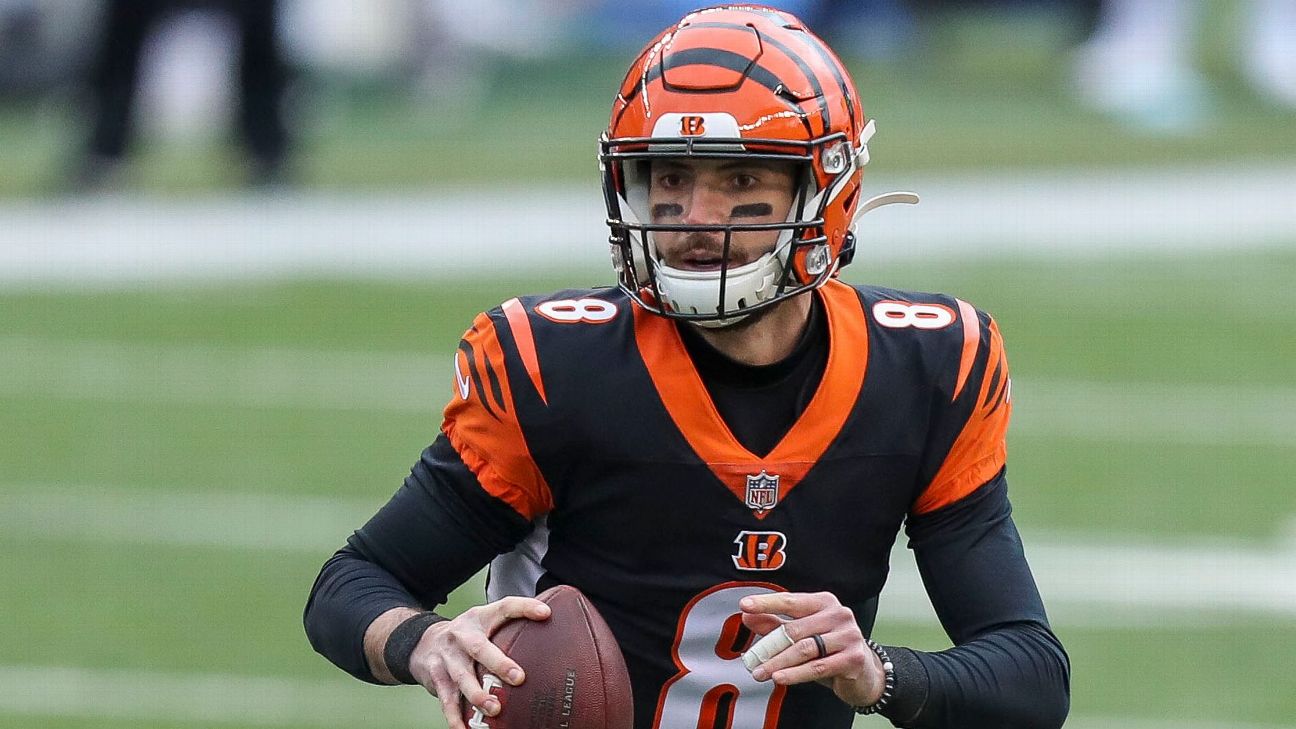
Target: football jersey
pixel 585 414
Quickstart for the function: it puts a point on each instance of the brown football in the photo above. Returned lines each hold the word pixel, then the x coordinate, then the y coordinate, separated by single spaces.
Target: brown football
pixel 575 675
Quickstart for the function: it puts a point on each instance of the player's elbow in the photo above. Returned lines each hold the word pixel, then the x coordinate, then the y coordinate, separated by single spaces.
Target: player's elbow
pixel 1050 709
pixel 312 616
pixel 1054 700
pixel 333 620
pixel 317 618
pixel 1040 697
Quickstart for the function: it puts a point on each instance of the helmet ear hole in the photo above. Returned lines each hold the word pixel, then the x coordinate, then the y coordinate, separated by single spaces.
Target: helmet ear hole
pixel 848 235
pixel 849 202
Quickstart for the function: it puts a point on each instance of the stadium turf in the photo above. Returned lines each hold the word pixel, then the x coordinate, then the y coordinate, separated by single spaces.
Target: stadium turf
pixel 179 460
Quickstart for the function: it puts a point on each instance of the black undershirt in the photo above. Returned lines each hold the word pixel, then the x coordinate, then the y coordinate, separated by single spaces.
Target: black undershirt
pixel 760 403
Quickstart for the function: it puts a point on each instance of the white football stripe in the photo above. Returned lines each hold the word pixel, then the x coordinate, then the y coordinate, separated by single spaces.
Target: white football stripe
pixel 99 371
pixel 233 520
pixel 1092 582
pixel 117 240
pixel 1085 581
pixel 1154 412
pixel 212 375
pixel 158 696
pixel 206 698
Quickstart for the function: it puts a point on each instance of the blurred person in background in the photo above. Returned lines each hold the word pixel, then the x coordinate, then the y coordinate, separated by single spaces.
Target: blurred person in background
pixel 886 29
pixel 43 45
pixel 114 82
pixel 867 29
pixel 724 446
pixel 456 48
pixel 1138 65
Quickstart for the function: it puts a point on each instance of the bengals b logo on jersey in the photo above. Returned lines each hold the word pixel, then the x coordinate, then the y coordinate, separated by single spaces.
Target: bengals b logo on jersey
pixel 760 551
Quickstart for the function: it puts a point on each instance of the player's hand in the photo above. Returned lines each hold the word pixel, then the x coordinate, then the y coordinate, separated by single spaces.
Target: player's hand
pixel 847 666
pixel 444 661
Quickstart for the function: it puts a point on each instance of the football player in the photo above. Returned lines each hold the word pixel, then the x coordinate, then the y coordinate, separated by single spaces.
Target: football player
pixel 719 451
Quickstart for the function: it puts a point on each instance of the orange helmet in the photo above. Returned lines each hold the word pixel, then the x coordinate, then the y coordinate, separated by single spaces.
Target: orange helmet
pixel 747 82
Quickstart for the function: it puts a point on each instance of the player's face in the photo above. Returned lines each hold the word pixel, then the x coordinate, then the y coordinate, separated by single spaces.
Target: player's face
pixel 718 192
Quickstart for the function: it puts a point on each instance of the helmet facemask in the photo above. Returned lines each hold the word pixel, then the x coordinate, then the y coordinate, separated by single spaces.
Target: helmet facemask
pixel 798 259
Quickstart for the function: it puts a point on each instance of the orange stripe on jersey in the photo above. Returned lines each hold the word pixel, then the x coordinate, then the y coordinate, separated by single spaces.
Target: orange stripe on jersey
pixel 971 339
pixel 490 443
pixel 980 451
pixel 521 326
pixel 690 406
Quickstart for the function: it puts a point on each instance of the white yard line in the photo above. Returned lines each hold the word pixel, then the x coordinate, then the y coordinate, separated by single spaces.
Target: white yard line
pixel 1094 582
pixel 1085 581
pixel 118 240
pixel 205 375
pixel 1207 415
pixel 116 372
pixel 87 693
pixel 209 698
pixel 220 519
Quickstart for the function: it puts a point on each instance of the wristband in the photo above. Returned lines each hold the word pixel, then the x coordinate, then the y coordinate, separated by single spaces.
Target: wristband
pixel 888 686
pixel 402 641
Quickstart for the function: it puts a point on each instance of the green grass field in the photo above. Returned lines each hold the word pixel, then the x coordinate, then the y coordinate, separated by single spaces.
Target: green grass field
pixel 176 460
pixel 155 409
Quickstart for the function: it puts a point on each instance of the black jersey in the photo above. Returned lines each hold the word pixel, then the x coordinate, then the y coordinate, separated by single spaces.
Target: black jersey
pixel 587 417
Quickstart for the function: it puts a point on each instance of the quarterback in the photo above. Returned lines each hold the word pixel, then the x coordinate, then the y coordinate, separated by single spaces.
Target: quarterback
pixel 719 451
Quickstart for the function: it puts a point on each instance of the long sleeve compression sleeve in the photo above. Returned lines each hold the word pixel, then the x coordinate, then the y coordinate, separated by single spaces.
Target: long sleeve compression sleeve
pixel 1007 669
pixel 435 533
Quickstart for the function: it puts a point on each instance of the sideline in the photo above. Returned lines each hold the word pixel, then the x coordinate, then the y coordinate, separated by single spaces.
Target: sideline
pixel 122 241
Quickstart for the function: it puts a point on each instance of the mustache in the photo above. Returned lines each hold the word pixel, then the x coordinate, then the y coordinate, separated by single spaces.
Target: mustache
pixel 706 244
pixel 750 210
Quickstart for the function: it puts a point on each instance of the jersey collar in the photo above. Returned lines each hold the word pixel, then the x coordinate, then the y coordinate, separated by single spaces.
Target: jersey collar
pixel 690 406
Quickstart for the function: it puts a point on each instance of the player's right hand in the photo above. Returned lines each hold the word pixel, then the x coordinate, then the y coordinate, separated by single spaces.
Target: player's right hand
pixel 444 661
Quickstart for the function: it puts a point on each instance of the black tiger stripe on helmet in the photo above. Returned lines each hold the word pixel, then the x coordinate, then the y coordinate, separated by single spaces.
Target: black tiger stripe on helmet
pixel 759 74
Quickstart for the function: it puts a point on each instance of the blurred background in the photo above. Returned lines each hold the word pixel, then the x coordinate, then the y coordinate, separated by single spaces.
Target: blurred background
pixel 239 241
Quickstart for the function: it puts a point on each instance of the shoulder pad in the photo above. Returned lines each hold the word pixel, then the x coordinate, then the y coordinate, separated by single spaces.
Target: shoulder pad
pixel 481 420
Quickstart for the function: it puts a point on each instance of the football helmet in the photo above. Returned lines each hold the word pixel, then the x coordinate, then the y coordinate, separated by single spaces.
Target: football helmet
pixel 737 82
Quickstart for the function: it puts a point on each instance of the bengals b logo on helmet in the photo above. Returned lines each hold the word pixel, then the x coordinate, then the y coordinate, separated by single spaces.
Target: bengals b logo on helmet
pixel 692 126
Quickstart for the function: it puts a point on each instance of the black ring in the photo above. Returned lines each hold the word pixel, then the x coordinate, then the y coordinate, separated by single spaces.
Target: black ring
pixel 819 643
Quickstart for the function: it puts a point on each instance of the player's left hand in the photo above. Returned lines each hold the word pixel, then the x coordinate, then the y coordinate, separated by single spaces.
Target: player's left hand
pixel 847 665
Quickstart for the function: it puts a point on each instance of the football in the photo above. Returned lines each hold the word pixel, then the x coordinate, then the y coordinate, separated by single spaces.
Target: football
pixel 575 675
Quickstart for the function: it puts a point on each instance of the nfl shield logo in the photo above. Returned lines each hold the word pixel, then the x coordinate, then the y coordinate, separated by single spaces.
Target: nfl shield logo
pixel 762 492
